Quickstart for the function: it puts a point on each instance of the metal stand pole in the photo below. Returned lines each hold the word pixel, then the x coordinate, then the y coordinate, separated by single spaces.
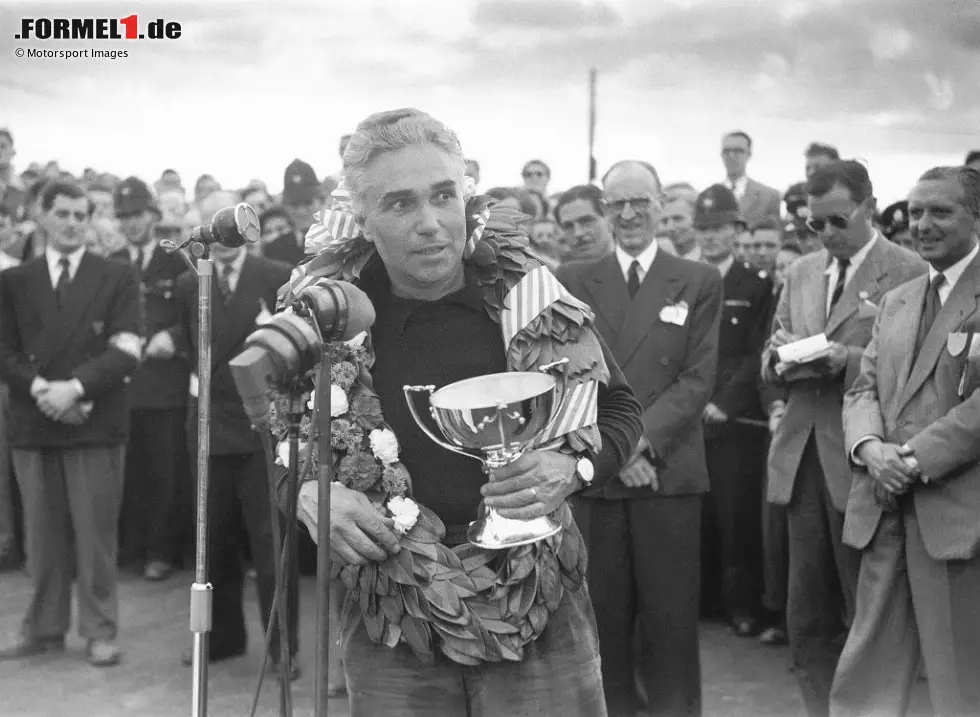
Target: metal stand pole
pixel 201 596
pixel 323 633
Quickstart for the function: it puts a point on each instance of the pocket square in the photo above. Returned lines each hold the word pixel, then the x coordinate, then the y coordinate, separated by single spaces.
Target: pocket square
pixel 674 313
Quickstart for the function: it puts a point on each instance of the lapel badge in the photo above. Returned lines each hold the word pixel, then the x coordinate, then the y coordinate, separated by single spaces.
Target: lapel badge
pixel 957 342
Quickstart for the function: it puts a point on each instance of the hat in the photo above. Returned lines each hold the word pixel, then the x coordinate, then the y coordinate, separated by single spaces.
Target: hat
pixel 300 184
pixel 796 201
pixel 716 206
pixel 132 196
pixel 895 218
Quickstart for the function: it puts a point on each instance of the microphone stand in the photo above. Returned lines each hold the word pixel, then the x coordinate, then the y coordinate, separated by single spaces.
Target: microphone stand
pixel 201 591
pixel 324 479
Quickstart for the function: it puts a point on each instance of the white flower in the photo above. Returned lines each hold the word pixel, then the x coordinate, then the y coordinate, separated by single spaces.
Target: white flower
pixel 338 401
pixel 357 340
pixel 384 445
pixel 405 513
pixel 282 452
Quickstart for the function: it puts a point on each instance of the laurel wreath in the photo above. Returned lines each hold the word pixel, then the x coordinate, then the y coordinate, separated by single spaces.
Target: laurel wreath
pixel 469 604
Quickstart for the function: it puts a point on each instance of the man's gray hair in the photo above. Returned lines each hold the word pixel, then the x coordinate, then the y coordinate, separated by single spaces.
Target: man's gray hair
pixel 390 131
pixel 966 177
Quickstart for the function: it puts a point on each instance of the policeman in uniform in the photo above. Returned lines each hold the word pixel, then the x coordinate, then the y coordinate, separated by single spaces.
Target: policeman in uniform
pixel 895 225
pixel 301 195
pixel 735 427
pixel 157 392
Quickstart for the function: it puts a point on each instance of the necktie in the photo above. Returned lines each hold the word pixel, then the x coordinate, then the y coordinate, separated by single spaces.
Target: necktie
pixel 224 282
pixel 140 259
pixel 930 308
pixel 633 284
pixel 64 279
pixel 842 265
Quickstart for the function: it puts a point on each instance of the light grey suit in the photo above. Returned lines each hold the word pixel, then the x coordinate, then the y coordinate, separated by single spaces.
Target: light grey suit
pixel 759 202
pixel 808 469
pixel 919 588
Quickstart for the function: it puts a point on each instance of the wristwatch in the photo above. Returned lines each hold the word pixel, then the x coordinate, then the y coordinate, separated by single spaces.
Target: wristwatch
pixel 585 470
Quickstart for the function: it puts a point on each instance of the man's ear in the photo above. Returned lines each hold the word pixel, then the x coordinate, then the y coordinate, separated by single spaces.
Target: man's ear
pixel 361 222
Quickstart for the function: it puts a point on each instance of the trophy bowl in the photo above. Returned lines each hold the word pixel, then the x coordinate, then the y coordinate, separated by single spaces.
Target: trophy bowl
pixel 494 419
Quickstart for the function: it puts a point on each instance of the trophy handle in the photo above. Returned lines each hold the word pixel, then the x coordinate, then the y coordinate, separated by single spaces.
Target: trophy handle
pixel 561 377
pixel 409 393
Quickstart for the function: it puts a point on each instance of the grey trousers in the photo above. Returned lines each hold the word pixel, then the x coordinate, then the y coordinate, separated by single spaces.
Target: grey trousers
pixel 558 677
pixel 71 511
pixel 909 604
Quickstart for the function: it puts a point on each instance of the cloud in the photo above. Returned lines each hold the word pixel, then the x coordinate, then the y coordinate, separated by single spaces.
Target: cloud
pixel 555 15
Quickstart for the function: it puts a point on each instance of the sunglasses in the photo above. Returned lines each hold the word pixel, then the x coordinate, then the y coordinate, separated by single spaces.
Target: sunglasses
pixel 838 221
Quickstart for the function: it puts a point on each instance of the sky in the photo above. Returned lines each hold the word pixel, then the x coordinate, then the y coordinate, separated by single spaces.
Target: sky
pixel 249 86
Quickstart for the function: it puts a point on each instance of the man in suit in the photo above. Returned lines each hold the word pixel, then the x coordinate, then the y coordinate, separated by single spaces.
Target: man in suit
pixel 245 289
pixel 660 315
pixel 911 422
pixel 756 199
pixel 833 292
pixel 69 337
pixel 731 568
pixel 157 393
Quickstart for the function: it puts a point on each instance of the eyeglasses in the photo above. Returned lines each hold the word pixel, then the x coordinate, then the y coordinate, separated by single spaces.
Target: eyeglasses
pixel 640 205
pixel 734 150
pixel 534 173
pixel 838 221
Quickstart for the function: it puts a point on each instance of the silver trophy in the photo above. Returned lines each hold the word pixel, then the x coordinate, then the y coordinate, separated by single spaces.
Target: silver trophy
pixel 494 419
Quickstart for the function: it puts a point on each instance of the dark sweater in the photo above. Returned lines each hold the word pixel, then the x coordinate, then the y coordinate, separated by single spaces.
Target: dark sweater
pixel 453 338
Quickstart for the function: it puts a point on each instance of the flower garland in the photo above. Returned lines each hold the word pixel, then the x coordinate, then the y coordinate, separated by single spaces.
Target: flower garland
pixel 466 603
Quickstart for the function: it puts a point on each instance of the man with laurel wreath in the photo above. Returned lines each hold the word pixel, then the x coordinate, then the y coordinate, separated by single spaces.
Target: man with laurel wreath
pixel 435 626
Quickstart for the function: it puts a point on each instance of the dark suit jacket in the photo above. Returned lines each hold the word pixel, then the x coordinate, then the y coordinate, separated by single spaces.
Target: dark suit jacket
pixel 814 405
pixel 284 249
pixel 159 383
pixel 36 339
pixel 671 368
pixel 745 318
pixel 231 431
pixel 918 402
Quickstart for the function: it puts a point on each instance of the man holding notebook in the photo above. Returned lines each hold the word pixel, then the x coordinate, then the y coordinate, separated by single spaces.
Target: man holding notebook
pixel 833 294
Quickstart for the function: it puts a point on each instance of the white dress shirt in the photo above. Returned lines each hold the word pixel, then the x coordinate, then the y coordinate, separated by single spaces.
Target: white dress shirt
pixel 739 186
pixel 952 274
pixel 833 271
pixel 54 257
pixel 236 268
pixel 645 259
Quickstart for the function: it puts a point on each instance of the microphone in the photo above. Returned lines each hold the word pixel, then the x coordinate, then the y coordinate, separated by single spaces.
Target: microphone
pixel 288 346
pixel 230 226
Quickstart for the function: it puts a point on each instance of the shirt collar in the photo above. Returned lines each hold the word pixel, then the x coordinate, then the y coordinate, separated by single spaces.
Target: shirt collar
pixel 726 266
pixel 694 254
pixel 236 263
pixel 953 273
pixel 148 249
pixel 376 284
pixel 859 256
pixel 739 186
pixel 645 258
pixel 54 257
